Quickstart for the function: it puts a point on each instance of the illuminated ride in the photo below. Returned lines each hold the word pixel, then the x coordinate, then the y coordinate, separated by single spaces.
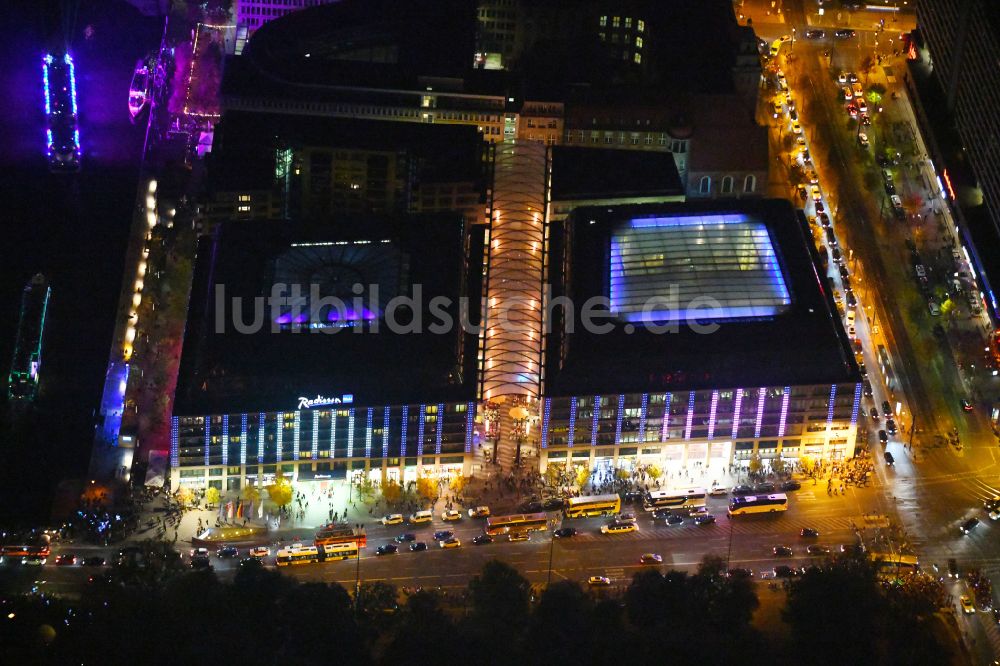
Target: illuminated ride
pixel 138 93
pixel 62 132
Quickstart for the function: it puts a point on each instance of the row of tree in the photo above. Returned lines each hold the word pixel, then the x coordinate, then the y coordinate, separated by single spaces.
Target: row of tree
pixel 151 610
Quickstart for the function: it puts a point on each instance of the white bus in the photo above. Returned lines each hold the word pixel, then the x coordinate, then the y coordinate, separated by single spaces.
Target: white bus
pixel 297 554
pixel 674 499
pixel 340 551
pixel 758 504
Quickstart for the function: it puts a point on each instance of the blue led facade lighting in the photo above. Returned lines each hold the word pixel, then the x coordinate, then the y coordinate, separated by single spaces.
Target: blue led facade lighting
pixel 243 439
pixel 279 437
pixel 737 406
pixel 225 439
pixel 618 418
pixel 784 410
pixel 689 420
pixel 665 426
pixel 595 421
pixel 314 444
pixel 404 427
pixel 261 436
pixel 385 431
pixel 714 405
pixel 857 405
pixel 833 405
pixel 208 438
pixel 470 418
pixel 368 432
pixel 728 260
pixel 440 428
pixel 175 459
pixel 761 397
pixel 350 432
pixel 546 417
pixel 295 434
pixel 421 423
pixel 572 422
pixel 643 415
pixel 333 433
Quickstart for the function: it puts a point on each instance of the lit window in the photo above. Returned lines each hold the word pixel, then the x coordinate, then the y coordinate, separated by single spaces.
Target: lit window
pixel 244 197
pixel 244 209
pixel 604 21
pixel 638 42
pixel 628 21
pixel 638 58
pixel 615 22
pixel 641 25
pixel 705 186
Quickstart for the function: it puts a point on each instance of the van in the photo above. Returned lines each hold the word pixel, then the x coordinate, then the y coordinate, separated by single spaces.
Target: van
pixel 421 517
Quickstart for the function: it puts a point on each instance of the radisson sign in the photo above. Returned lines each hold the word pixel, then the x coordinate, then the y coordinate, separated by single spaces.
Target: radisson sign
pixel 323 401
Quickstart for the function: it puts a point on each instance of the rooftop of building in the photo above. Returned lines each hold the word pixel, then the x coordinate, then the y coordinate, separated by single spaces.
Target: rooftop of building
pixel 599 173
pixel 308 347
pixel 772 320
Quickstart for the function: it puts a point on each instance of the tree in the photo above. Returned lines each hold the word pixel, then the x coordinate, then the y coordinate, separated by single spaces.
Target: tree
pixel 560 630
pixel 778 465
pixel 582 475
pixel 654 471
pixel 623 474
pixel 366 489
pixel 212 496
pixel 377 599
pixel 184 496
pixel 280 490
pixel 458 484
pixel 553 474
pixel 755 464
pixel 427 489
pixel 423 629
pixel 251 493
pixel 392 492
pixel 500 597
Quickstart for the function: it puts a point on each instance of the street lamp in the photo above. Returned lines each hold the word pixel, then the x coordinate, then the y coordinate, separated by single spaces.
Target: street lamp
pixel 553 525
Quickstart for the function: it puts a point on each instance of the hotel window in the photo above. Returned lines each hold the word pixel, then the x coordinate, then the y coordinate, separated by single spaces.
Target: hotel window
pixel 640 25
pixel 603 21
pixel 244 197
pixel 638 42
pixel 727 185
pixel 705 185
pixel 244 209
pixel 628 21
pixel 638 58
pixel 750 183
pixel 615 22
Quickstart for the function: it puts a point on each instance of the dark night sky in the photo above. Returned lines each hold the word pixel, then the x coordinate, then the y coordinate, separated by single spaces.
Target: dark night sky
pixel 70 227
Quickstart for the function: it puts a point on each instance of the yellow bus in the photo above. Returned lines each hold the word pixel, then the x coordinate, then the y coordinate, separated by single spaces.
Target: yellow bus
pixel 339 551
pixel 297 554
pixel 758 504
pixel 521 522
pixel 891 565
pixel 594 505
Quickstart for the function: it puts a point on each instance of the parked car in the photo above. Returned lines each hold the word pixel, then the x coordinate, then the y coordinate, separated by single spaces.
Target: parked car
pixel 387 549
pixel 704 519
pixel 482 539
pixel 564 532
pixel 808 533
pixel 817 549
pixel 782 551
pixel 479 512
pixel 791 484
pixel 403 538
pixel 418 546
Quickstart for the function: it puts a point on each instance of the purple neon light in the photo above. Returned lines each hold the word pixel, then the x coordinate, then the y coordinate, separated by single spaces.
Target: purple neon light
pixel 736 412
pixel 440 427
pixel 761 397
pixel 350 432
pixel 421 423
pixel 711 414
pixel 664 428
pixel 333 315
pixel 857 403
pixel 174 442
pixel 618 419
pixel 546 416
pixel 225 439
pixel 594 420
pixel 643 413
pixel 689 421
pixel 470 420
pixel 261 421
pixel 833 403
pixel 402 430
pixel 333 433
pixel 368 433
pixel 385 431
pixel 784 410
pixel 572 422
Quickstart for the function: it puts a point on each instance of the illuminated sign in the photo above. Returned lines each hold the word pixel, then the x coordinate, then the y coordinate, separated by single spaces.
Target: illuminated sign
pixel 947 181
pixel 323 401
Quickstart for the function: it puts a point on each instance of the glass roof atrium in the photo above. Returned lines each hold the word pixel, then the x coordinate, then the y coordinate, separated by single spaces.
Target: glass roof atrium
pixel 695 267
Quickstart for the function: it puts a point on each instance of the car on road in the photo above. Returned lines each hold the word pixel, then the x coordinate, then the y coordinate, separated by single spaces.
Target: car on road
pixel 419 517
pixel 553 504
pixel 387 549
pixel 815 192
pixel 201 563
pixel 844 33
pixel 863 140
pixel 406 537
pixel 842 77
pixel 392 519
pixel 533 506
pixel 479 512
pixel 94 561
pixel 739 572
pixel 626 518
pixel 782 81
pixel 883 437
pixel 890 186
pixel 868 388
pixel 618 528
pixel 228 552
pixel 417 546
pixel 482 539
pixel 791 484
pixel 742 490
pixel 662 514
pixel 719 491
pixel 782 551
pixel 673 519
pixel 862 105
pixel 815 34
pixel 260 551
pixel 598 581
pixel 66 559
pixel 886 407
pixel 778 110
pixel 518 536
pixel 763 488
pixel 808 533
pixel 890 425
pixel 650 558
pixel 852 549
pixel 967 607
pixel 996 615
pixel 968 525
pixel 251 562
pixel 697 511
pixel 441 535
pixel 785 571
pixel 933 308
pixel 952 568
pixel 704 519
pixel 450 543
pixel 451 515
pixel 775 48
pixel 889 460
pixel 796 127
pixel 852 300
pixel 992 502
pixel 817 549
pixel 966 405
pixel 634 496
pixel 848 95
pixel 564 532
